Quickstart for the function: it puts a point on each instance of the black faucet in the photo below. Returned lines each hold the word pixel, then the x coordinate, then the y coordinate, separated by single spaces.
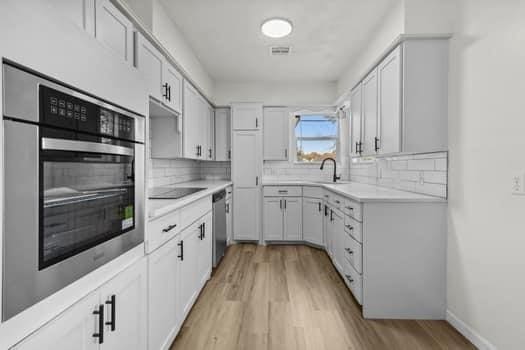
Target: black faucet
pixel 335 168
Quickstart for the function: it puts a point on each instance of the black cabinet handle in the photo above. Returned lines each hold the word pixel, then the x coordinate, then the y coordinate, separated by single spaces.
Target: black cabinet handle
pixel 203 230
pixel 357 147
pixel 229 154
pixel 349 251
pixel 256 122
pixel 113 303
pixel 350 227
pixel 285 153
pixel 197 152
pixel 169 228
pixel 349 278
pixel 100 314
pixel 210 150
pixel 331 215
pixel 181 255
pixel 319 206
pixel 200 232
pixel 285 204
pixel 169 93
pixel 325 210
pixel 257 181
pixel 376 143
pixel 165 94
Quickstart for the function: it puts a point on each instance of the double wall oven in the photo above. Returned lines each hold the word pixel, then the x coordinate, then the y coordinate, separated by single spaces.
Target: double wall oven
pixel 73 186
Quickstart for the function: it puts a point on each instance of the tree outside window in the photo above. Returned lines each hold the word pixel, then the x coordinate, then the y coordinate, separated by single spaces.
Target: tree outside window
pixel 316 137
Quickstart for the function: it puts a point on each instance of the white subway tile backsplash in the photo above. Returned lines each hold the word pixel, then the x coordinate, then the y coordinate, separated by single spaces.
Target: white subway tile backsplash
pixel 422 173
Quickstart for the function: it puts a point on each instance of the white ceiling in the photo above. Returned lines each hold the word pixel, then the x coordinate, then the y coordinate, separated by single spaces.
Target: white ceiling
pixel 327 36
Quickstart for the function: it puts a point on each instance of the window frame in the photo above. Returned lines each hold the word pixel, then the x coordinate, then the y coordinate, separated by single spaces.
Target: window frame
pixel 295 139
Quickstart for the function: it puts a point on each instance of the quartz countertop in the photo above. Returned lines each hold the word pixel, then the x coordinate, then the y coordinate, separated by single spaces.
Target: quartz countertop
pixel 360 192
pixel 159 207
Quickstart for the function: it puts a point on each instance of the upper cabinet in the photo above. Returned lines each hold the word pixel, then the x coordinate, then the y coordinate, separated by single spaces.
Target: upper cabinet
pixel 197 125
pixel 163 81
pixel 80 12
pixel 222 134
pixel 114 30
pixel 402 104
pixel 246 116
pixel 275 134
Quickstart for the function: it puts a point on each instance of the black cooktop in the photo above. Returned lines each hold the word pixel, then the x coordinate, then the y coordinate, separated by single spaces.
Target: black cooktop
pixel 172 192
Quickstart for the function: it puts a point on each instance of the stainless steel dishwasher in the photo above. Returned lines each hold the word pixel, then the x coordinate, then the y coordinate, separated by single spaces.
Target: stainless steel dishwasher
pixel 219 226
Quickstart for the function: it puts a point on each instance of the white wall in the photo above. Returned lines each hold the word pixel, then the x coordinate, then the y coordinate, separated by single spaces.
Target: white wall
pixel 169 35
pixel 276 93
pixel 486 258
pixel 391 27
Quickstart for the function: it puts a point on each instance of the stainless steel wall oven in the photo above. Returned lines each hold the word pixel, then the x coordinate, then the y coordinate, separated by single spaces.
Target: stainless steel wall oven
pixel 74 186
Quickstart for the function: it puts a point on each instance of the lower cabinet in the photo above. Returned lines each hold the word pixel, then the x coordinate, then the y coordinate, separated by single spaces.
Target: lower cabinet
pixel 313 220
pixel 282 218
pixel 112 317
pixel 177 272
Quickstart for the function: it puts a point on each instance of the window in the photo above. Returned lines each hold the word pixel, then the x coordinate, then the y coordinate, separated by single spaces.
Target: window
pixel 316 137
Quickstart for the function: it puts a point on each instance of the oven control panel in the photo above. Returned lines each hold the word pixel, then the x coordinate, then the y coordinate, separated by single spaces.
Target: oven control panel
pixel 70 112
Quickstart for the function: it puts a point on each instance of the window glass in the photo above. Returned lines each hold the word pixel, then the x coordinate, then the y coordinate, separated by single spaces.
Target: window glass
pixel 316 137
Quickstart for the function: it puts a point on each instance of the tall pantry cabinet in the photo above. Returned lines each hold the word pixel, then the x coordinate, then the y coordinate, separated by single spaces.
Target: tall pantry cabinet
pixel 246 168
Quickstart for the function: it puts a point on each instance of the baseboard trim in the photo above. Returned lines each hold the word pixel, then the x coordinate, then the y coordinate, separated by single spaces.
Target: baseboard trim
pixel 469 333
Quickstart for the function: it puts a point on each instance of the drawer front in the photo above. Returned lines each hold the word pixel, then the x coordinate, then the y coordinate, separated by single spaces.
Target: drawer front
pixel 312 192
pixel 354 281
pixel 354 209
pixel 283 191
pixel 354 228
pixel 334 200
pixel 162 230
pixel 353 252
pixel 194 211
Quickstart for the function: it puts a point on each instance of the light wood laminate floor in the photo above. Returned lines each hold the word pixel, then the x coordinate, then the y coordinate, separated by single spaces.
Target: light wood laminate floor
pixel 291 297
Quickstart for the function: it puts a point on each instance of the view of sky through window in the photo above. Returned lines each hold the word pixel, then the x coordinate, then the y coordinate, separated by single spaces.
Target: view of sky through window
pixel 316 137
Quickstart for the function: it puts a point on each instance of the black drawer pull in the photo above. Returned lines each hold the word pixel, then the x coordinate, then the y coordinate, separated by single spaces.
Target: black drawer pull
pixel 319 206
pixel 113 304
pixel 169 228
pixel 349 251
pixel 181 255
pixel 350 227
pixel 350 208
pixel 100 314
pixel 349 278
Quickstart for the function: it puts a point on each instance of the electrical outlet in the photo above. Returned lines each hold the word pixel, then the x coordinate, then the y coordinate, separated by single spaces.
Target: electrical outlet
pixel 517 187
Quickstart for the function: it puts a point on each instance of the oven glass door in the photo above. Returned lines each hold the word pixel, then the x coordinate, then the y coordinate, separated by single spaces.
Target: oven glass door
pixel 86 197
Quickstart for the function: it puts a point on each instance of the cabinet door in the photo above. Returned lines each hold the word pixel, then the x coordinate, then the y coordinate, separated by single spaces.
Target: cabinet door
pixel 370 112
pixel 273 219
pixel 188 277
pixel 329 233
pixel 72 329
pixel 114 30
pixel 275 134
pixel 80 12
pixel 204 253
pixel 356 115
pixel 173 79
pixel 246 167
pixel 125 300
pixel 313 221
pixel 293 219
pixel 150 62
pixel 191 122
pixel 163 294
pixel 338 232
pixel 210 154
pixel 222 134
pixel 246 213
pixel 229 221
pixel 389 76
pixel 246 116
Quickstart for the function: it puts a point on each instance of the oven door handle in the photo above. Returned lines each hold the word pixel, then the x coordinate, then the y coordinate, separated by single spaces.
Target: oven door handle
pixel 52 144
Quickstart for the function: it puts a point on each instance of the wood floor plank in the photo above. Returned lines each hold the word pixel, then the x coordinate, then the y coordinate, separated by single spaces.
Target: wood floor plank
pixel 286 297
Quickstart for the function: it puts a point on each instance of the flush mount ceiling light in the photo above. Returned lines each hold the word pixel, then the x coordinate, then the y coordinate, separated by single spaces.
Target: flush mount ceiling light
pixel 276 27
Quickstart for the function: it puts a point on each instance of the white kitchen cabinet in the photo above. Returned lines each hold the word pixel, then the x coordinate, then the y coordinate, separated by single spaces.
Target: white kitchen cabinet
pixel 112 317
pixel 197 125
pixel 188 277
pixel 81 12
pixel 273 229
pixel 356 103
pixel 72 329
pixel 389 113
pixel 163 308
pixel 293 218
pixel 222 134
pixel 205 254
pixel 246 178
pixel 163 82
pixel 172 81
pixel 246 116
pixel 275 133
pixel 125 300
pixel 114 30
pixel 313 220
pixel 209 121
pixel 369 113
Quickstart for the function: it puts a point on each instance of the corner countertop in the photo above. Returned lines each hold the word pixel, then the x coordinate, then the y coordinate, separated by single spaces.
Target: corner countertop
pixel 159 207
pixel 361 192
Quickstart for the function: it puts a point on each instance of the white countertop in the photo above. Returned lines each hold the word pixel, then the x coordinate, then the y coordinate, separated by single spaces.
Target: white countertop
pixel 159 207
pixel 361 192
